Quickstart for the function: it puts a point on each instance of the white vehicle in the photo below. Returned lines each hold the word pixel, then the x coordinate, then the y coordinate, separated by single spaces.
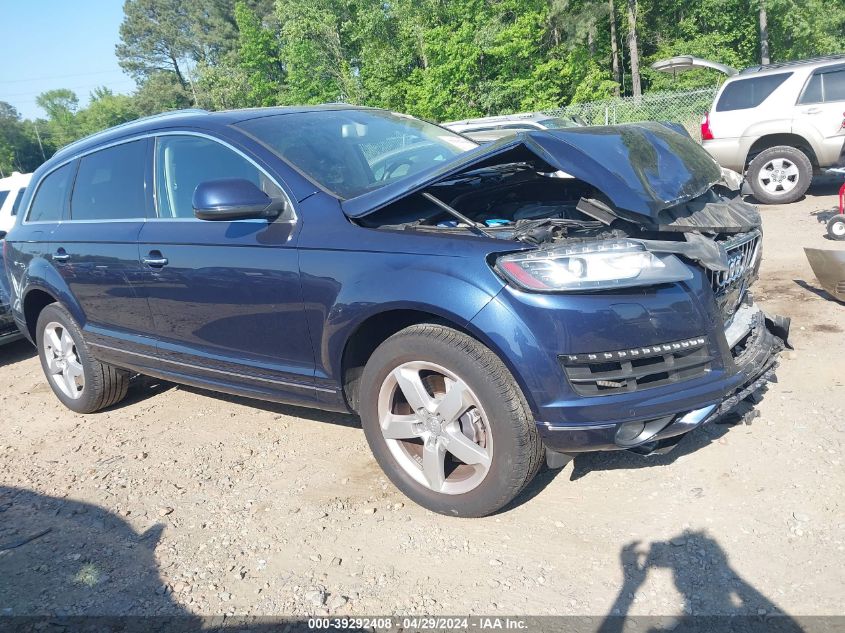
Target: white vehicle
pixel 11 192
pixel 780 124
pixel 492 128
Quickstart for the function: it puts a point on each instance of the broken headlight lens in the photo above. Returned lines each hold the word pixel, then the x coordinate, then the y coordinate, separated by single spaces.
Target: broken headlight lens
pixel 594 266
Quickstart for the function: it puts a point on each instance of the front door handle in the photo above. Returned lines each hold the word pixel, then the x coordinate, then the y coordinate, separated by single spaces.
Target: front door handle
pixel 155 260
pixel 61 255
pixel 812 110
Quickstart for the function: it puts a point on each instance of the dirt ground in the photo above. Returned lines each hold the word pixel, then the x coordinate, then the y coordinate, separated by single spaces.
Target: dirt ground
pixel 182 501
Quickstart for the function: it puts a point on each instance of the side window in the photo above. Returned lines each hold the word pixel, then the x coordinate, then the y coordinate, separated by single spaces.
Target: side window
pixel 51 196
pixel 110 184
pixel 834 85
pixel 749 93
pixel 813 91
pixel 17 202
pixel 825 86
pixel 3 196
pixel 183 162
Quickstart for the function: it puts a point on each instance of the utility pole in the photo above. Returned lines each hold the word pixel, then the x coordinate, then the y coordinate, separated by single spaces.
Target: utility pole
pixel 764 34
pixel 38 136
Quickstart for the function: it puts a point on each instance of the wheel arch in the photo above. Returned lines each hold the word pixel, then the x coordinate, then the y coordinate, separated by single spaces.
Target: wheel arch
pixel 34 301
pixel 377 328
pixel 768 141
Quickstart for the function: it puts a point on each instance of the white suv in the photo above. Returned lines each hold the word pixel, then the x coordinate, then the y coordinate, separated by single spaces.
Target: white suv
pixel 780 124
pixel 11 192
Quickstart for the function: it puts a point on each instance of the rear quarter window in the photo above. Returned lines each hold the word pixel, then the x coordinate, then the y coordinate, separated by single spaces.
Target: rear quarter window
pixel 50 198
pixel 743 94
pixel 17 203
pixel 3 196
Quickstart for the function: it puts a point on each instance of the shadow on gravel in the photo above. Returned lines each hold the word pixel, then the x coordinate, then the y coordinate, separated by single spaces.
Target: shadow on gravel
pixel 60 557
pixel 819 292
pixel 16 352
pixel 73 567
pixel 694 441
pixel 712 592
pixel 317 415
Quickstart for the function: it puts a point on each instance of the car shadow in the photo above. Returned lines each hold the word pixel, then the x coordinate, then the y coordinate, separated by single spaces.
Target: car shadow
pixel 16 352
pixel 62 557
pixel 143 387
pixel 715 597
pixel 66 565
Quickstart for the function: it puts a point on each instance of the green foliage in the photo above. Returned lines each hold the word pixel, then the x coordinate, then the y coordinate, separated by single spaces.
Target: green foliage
pixel 438 59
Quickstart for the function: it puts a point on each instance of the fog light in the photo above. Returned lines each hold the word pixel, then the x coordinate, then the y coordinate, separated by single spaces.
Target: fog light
pixel 629 432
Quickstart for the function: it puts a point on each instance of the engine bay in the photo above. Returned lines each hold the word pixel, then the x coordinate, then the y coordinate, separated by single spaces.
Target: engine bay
pixel 531 203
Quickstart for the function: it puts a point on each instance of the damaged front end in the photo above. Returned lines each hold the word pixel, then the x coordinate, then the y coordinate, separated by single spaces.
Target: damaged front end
pixel 603 210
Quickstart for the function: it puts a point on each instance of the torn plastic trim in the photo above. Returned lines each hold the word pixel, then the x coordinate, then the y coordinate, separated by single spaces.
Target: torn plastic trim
pixel 642 168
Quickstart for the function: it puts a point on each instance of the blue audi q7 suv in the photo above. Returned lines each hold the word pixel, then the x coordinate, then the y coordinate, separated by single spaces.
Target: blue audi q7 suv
pixel 481 308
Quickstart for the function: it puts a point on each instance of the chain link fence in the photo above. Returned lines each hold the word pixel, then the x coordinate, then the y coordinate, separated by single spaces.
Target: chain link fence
pixel 686 108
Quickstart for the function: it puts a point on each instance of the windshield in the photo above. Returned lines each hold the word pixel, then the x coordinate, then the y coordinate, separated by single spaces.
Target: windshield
pixel 350 152
pixel 557 123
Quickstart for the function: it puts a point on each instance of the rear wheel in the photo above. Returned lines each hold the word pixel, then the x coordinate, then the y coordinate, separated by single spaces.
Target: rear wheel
pixel 780 175
pixel 81 382
pixel 836 227
pixel 447 422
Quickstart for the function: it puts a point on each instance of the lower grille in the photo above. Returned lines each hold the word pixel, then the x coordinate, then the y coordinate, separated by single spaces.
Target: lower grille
pixel 729 285
pixel 604 373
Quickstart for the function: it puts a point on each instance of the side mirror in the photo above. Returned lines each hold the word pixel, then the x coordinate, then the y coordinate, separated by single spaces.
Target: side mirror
pixel 3 235
pixel 233 199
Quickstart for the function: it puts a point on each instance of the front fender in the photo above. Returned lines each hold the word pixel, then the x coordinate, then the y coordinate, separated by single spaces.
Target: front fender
pixel 342 290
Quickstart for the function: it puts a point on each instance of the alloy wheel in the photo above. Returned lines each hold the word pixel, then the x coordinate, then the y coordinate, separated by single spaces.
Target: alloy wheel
pixel 435 427
pixel 63 365
pixel 779 176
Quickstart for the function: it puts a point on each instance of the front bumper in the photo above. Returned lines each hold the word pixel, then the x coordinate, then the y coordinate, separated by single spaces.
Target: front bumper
pixel 756 359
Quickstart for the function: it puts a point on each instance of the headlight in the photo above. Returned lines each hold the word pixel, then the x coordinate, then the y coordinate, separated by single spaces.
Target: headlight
pixel 594 266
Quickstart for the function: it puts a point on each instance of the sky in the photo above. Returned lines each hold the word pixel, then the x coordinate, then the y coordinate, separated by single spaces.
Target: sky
pixel 47 44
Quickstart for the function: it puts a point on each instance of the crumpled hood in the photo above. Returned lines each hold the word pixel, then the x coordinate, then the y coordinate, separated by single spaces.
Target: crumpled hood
pixel 642 168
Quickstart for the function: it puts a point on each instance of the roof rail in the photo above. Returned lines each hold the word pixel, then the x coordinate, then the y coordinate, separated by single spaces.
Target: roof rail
pixel 794 62
pixel 162 115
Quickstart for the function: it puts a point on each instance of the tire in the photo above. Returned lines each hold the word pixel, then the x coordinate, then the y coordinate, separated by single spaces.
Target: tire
pixel 82 383
pixel 780 175
pixel 495 435
pixel 836 227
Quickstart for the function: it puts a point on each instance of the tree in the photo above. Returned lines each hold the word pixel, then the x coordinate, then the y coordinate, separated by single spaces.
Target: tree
pixel 614 47
pixel 61 106
pixel 105 110
pixel 157 36
pixel 633 48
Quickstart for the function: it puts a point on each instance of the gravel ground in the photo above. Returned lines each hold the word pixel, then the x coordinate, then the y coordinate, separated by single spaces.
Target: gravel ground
pixel 182 501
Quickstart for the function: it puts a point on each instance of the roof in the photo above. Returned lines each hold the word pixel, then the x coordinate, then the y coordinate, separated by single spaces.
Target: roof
pixel 797 63
pixel 192 117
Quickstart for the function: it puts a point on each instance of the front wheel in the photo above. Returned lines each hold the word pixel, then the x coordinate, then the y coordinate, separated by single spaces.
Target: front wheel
pixel 81 382
pixel 780 175
pixel 447 422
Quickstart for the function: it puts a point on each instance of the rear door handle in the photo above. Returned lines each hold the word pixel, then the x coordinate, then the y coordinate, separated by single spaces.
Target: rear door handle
pixel 61 255
pixel 812 110
pixel 155 260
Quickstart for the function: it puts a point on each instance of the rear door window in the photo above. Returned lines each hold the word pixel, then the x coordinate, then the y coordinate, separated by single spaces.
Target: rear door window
pixel 50 198
pixel 3 196
pixel 743 94
pixel 825 86
pixel 110 184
